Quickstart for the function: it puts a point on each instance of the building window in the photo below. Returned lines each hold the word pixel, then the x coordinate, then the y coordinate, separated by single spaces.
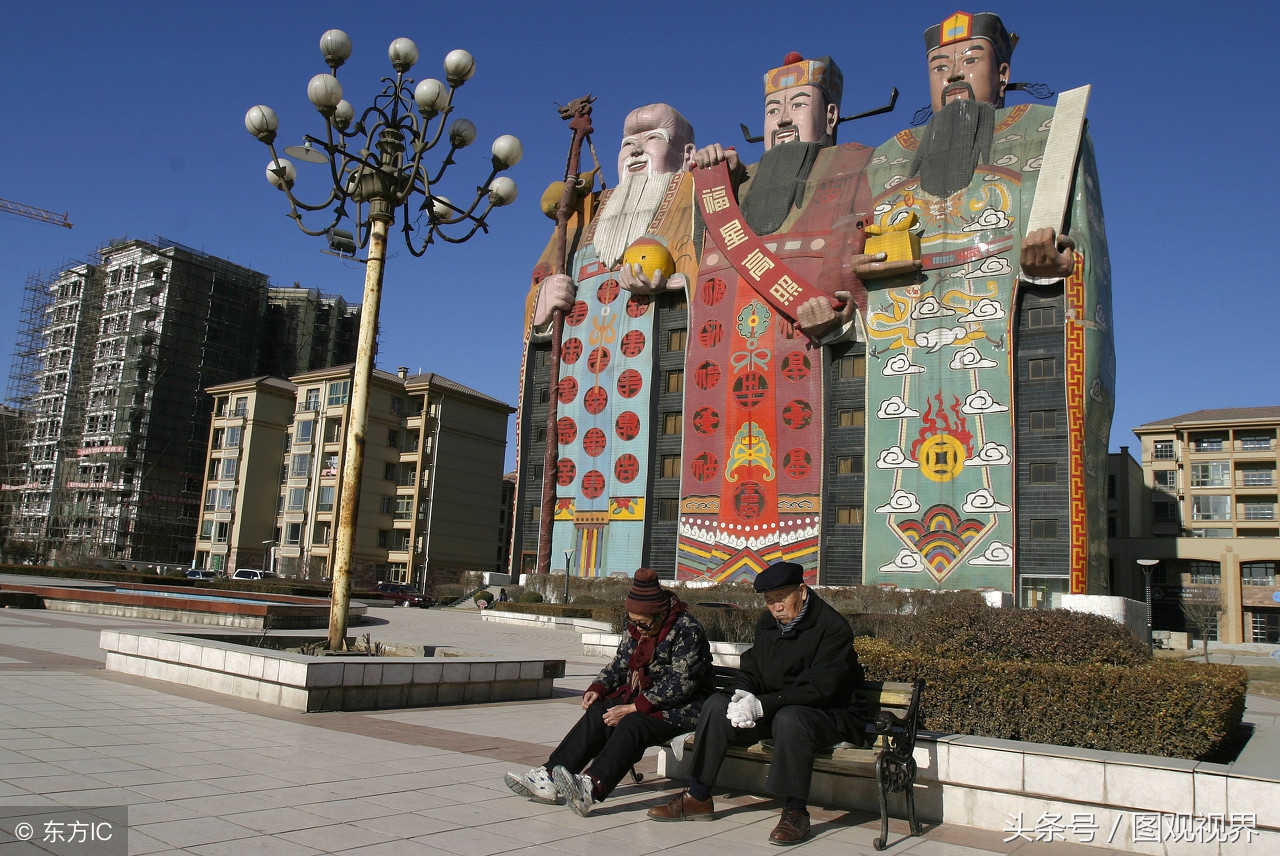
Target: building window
pixel 293 534
pixel 1042 369
pixel 671 466
pixel 1211 507
pixel 232 440
pixel 676 340
pixel 1042 316
pixel 320 532
pixel 1113 526
pixel 1165 478
pixel 1259 511
pixel 1111 487
pixel 1044 420
pixel 675 381
pixel 389 472
pixel 339 390
pixel 1258 573
pixel 324 498
pixel 1253 444
pixel 849 465
pixel 1211 474
pixel 241 408
pixel 1212 533
pixel 672 423
pixel 300 466
pixel 1207 444
pixel 540 434
pixel 206 530
pixel 668 509
pixel 1162 450
pixel 221 532
pixel 544 395
pixel 404 508
pixel 302 430
pixel 850 418
pixel 333 430
pixel 533 512
pixel 297 499
pixel 849 514
pixel 1205 573
pixel 387 504
pixel 393 438
pixel 1257 478
pixel 230 466
pixel 535 473
pixel 397 405
pixel 311 400
pixel 1044 473
pixel 384 538
pixel 851 366
pixel 1044 530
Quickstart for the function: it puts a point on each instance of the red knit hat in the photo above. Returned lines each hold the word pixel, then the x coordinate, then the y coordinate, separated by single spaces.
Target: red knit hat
pixel 646 596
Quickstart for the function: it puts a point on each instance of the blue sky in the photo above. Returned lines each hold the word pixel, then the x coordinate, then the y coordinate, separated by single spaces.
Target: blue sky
pixel 129 117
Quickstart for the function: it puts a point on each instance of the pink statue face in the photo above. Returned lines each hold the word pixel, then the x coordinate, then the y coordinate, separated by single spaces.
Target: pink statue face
pixel 657 139
pixel 799 113
pixel 966 69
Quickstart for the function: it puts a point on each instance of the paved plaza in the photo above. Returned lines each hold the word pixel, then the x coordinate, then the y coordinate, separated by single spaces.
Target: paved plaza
pixel 209 774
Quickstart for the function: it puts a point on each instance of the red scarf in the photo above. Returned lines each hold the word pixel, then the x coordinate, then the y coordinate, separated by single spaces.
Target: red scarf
pixel 638 664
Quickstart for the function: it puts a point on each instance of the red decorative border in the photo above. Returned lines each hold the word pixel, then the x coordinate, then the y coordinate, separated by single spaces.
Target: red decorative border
pixel 1075 372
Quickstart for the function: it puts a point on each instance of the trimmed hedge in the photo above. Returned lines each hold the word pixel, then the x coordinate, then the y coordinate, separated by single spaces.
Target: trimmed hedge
pixel 529 597
pixel 612 613
pixel 1171 708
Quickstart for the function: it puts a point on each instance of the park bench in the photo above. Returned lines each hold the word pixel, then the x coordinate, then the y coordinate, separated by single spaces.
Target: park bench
pixel 894 710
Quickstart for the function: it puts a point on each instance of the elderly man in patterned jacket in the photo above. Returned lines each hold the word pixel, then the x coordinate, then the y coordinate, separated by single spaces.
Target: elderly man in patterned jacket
pixel 651 691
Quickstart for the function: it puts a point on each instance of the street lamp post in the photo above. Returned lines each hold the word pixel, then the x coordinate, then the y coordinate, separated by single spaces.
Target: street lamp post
pixel 568 562
pixel 376 167
pixel 268 563
pixel 1147 565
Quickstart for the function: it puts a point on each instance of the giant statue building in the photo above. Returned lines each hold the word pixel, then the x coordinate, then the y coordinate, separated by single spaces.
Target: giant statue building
pixel 866 362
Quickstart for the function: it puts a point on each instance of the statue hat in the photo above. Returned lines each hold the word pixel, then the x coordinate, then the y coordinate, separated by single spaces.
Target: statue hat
pixel 795 70
pixel 964 25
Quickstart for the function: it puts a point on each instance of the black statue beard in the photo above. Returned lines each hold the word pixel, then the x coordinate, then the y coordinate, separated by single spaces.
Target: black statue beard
pixel 778 184
pixel 956 140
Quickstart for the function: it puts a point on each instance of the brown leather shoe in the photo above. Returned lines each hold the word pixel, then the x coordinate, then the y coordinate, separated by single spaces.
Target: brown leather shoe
pixel 684 807
pixel 792 828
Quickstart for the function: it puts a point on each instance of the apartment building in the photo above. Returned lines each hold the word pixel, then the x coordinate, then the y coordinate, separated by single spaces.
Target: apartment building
pixel 1208 503
pixel 110 366
pixel 431 490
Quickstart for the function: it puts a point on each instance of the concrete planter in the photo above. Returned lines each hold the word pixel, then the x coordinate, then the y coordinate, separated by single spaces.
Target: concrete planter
pixel 307 684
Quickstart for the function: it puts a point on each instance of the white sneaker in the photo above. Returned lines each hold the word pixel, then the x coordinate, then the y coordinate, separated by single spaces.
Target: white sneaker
pixel 576 790
pixel 535 784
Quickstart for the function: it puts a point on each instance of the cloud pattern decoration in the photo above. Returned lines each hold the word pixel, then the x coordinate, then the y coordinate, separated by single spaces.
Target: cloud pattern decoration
pixel 980 402
pixel 981 501
pixel 930 306
pixel 969 358
pixel 906 562
pixel 900 364
pixel 985 309
pixel 902 502
pixel 992 454
pixel 893 458
pixel 997 554
pixel 894 407
pixel 991 266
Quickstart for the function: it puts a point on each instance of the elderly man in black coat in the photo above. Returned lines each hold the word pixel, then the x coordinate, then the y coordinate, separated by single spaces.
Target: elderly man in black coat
pixel 795 684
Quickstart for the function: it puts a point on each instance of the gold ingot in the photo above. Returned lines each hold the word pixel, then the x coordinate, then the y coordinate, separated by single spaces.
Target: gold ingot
pixel 651 255
pixel 897 242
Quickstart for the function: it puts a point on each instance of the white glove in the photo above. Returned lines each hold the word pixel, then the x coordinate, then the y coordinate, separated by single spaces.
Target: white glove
pixel 744 709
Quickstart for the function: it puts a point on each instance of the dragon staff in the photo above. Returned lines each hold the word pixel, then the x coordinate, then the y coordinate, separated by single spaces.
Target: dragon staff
pixel 578 113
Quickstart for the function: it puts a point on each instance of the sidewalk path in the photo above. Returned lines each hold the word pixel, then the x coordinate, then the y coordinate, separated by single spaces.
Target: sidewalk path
pixel 209 774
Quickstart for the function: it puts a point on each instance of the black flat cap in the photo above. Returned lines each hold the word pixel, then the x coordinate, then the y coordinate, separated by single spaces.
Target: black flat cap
pixel 779 575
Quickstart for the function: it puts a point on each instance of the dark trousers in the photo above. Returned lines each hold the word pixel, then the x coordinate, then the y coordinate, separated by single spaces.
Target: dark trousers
pixel 798 733
pixel 614 748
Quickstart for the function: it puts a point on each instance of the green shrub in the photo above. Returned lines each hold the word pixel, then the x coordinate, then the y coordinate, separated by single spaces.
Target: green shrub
pixel 529 597
pixel 447 592
pixel 727 625
pixel 587 599
pixel 1163 707
pixel 486 596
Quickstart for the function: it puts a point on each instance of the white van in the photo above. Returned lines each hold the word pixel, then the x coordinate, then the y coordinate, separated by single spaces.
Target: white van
pixel 251 574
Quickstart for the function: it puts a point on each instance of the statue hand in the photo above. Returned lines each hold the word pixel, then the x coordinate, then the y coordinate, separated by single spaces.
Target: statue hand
pixel 817 318
pixel 632 278
pixel 874 266
pixel 557 292
pixel 1047 255
pixel 714 154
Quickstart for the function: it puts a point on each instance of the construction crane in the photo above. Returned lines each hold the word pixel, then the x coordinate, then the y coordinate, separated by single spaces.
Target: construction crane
pixel 7 207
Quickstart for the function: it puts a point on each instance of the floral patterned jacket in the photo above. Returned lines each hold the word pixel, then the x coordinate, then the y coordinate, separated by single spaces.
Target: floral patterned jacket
pixel 676 681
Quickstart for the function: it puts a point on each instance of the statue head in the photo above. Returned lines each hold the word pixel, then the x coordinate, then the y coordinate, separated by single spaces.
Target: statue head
pixel 968 57
pixel 802 101
pixel 656 139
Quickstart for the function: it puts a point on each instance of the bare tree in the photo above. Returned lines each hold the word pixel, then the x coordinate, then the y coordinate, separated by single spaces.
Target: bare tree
pixel 1201 606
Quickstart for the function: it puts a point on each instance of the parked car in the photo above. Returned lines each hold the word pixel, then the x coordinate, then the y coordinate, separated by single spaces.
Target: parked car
pixel 252 574
pixel 195 574
pixel 403 595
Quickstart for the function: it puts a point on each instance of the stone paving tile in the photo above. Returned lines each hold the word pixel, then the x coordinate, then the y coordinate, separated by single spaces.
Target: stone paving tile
pixel 336 838
pixel 197 830
pixel 263 845
pixel 276 820
pixel 393 848
pixel 470 842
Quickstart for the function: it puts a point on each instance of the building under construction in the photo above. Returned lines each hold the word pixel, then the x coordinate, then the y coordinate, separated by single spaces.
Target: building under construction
pixel 108 377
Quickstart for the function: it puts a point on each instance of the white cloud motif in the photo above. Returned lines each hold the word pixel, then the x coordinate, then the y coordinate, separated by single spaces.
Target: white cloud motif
pixel 990 218
pixel 930 307
pixel 1034 164
pixel 1097 392
pixel 991 266
pixel 1009 138
pixel 897 179
pixel 902 502
pixel 992 454
pixel 1007 160
pixel 893 458
pixel 900 364
pixel 895 408
pixel 1100 316
pixel 935 340
pixel 1046 124
pixel 906 562
pixel 997 553
pixel 985 309
pixel 981 402
pixel 882 209
pixel 879 160
pixel 982 502
pixel 971 358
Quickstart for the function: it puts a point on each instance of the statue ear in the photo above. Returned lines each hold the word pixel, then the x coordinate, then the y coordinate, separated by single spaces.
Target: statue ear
pixel 689 149
pixel 1004 79
pixel 833 118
